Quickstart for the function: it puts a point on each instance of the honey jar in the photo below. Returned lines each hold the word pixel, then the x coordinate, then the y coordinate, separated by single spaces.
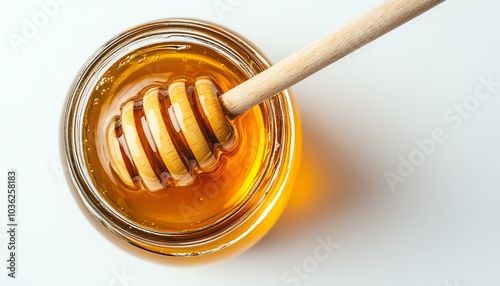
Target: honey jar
pixel 223 211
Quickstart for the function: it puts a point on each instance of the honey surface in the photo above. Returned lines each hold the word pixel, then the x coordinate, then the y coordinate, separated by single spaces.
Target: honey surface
pixel 213 195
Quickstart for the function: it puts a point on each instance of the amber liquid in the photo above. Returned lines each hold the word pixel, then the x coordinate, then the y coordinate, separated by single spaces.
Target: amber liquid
pixel 214 195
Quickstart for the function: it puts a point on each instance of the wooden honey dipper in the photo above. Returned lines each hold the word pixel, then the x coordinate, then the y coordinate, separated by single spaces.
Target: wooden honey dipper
pixel 214 110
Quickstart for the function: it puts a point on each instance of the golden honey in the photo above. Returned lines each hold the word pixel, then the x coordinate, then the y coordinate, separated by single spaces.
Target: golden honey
pixel 223 211
pixel 214 194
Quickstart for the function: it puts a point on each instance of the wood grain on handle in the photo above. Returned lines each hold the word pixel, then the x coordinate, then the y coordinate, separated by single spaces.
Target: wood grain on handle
pixel 322 53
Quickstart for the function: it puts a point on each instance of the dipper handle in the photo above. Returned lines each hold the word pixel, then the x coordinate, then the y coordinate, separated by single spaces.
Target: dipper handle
pixel 386 17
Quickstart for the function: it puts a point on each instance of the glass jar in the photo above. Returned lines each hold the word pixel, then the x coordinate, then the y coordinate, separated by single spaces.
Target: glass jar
pixel 224 211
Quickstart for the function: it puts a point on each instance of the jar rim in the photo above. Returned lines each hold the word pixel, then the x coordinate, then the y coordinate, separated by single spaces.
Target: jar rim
pixel 127 42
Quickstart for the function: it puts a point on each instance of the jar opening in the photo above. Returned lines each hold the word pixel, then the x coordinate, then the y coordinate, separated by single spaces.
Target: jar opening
pixel 203 217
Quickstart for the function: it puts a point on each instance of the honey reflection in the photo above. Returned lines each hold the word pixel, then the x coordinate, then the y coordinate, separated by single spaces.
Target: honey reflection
pixel 325 181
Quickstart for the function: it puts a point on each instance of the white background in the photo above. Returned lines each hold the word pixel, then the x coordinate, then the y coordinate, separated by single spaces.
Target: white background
pixel 441 226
